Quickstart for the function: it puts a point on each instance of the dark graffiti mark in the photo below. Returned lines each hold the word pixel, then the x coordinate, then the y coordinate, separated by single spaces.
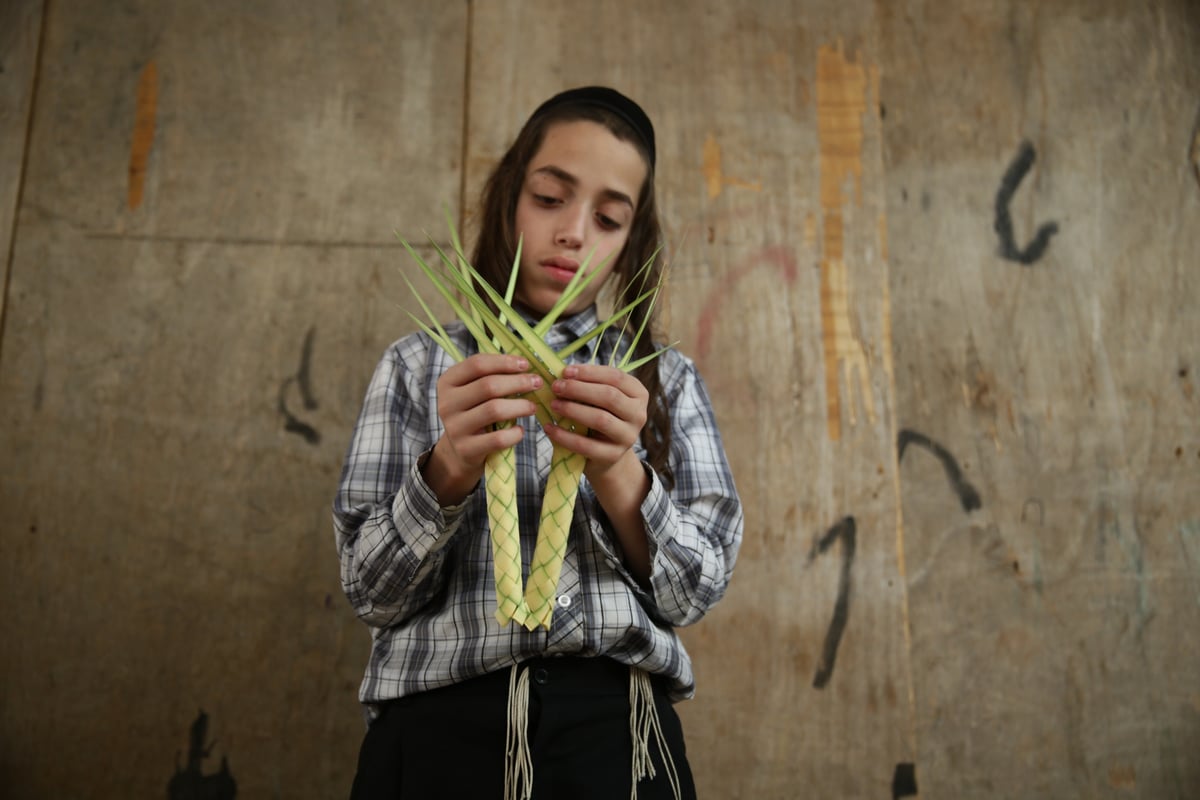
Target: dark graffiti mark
pixel 291 423
pixel 303 377
pixel 1004 227
pixel 303 381
pixel 1194 153
pixel 904 781
pixel 845 531
pixel 967 495
pixel 190 783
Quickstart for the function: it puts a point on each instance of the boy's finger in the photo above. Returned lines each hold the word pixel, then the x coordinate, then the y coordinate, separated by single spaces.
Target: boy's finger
pixel 482 364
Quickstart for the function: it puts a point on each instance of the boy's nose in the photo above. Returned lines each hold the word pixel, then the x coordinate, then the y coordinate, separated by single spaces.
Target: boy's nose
pixel 570 231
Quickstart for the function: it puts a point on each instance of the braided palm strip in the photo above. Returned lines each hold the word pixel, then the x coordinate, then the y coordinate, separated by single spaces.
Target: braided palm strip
pixel 500 480
pixel 558 506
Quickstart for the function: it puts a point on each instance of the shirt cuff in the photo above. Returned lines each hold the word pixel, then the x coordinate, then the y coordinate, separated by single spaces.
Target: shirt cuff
pixel 659 513
pixel 416 510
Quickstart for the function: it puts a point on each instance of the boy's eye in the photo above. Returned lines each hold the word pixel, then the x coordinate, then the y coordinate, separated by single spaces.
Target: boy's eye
pixel 545 199
pixel 607 222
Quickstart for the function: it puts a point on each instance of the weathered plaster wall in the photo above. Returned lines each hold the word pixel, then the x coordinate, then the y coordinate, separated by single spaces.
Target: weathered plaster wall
pixel 937 262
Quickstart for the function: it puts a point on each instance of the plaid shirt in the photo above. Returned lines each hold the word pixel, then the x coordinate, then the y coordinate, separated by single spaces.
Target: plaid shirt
pixel 422 576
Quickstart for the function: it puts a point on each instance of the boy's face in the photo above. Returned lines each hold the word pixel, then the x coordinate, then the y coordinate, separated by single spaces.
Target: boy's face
pixel 580 193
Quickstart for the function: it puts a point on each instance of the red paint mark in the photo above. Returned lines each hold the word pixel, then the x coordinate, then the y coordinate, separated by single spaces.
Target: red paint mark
pixel 778 256
pixel 143 132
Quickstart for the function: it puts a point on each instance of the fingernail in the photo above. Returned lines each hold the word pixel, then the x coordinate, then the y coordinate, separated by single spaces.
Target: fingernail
pixel 535 381
pixel 570 372
pixel 522 363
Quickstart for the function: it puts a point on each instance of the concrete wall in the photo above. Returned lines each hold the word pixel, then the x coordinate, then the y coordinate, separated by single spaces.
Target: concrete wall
pixel 938 262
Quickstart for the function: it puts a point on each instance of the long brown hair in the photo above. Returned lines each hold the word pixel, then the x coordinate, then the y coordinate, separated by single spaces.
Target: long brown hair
pixel 497 243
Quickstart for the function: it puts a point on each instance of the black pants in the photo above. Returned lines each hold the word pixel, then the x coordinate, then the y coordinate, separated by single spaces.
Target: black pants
pixel 449 742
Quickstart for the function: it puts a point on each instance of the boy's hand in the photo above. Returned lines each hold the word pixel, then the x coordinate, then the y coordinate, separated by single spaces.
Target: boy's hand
pixel 613 405
pixel 473 396
pixel 609 402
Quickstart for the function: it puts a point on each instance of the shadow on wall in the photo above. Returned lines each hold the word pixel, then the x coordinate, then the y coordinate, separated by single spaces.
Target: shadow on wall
pixel 190 783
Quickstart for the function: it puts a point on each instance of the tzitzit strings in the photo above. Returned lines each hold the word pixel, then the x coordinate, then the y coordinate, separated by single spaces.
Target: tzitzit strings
pixel 643 723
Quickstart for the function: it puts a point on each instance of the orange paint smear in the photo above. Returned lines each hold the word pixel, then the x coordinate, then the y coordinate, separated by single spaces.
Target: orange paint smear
pixel 712 166
pixel 714 176
pixel 143 132
pixel 883 239
pixel 1122 776
pixel 841 104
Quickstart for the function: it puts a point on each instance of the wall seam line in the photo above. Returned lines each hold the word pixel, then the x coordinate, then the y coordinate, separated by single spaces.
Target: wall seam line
pixel 20 195
pixel 466 118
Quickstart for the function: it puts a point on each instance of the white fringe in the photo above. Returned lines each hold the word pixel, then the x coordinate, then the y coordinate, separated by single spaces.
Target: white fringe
pixel 518 760
pixel 643 719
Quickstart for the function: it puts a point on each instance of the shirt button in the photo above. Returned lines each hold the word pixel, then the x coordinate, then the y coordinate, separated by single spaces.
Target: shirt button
pixel 564 601
pixel 541 677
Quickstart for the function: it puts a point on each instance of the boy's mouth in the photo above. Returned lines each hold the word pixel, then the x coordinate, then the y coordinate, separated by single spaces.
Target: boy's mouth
pixel 561 269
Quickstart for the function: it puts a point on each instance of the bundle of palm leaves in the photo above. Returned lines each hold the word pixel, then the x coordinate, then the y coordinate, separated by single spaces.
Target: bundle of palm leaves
pixel 498 328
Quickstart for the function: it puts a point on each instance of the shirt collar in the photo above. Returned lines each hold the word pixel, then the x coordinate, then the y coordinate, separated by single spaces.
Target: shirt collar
pixel 568 329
